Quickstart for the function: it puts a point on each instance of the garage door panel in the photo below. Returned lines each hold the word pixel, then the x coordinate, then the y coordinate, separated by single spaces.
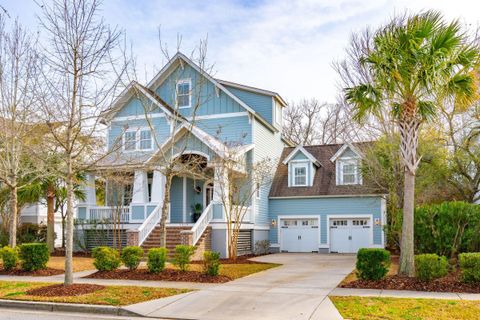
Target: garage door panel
pixel 299 235
pixel 348 235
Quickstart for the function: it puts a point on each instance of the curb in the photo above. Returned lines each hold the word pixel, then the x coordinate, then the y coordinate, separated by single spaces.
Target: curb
pixel 67 307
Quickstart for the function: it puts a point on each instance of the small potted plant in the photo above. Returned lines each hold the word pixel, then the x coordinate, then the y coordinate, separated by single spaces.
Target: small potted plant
pixel 197 211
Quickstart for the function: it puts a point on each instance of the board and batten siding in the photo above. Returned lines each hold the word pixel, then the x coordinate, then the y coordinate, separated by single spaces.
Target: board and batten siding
pixel 263 104
pixel 232 129
pixel 268 144
pixel 348 206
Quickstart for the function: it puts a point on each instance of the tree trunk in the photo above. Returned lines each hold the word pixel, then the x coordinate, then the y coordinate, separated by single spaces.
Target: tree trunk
pixel 51 218
pixel 165 210
pixel 13 217
pixel 407 254
pixel 69 227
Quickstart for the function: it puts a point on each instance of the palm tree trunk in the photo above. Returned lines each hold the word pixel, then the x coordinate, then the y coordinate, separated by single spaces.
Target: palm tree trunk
pixel 13 217
pixel 407 262
pixel 51 218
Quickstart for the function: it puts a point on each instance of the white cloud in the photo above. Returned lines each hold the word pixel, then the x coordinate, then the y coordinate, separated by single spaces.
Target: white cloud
pixel 281 45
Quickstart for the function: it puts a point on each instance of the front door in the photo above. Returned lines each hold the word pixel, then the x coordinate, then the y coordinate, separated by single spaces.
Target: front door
pixel 208 194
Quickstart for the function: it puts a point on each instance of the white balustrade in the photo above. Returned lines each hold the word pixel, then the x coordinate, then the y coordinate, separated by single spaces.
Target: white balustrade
pixel 202 223
pixel 149 224
pixel 118 214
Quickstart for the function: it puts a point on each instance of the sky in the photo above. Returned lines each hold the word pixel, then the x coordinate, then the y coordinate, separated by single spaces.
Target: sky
pixel 279 45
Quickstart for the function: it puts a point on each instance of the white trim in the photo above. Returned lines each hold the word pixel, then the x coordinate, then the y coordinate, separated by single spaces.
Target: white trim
pixel 383 222
pixel 293 166
pixel 305 152
pixel 184 81
pixel 219 116
pixel 342 150
pixel 139 117
pixel 137 131
pixel 184 198
pixel 205 185
pixel 188 151
pixel 279 225
pixel 253 89
pixel 350 216
pixel 339 168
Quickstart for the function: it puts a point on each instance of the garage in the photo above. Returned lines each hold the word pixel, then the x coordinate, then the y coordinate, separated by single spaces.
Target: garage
pixel 299 234
pixel 347 235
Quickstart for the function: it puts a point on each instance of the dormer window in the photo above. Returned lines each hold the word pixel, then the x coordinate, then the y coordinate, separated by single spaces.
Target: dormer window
pixel 184 93
pixel 300 174
pixel 349 173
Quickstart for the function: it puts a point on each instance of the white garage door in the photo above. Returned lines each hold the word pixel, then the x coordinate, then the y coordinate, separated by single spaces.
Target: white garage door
pixel 299 235
pixel 349 235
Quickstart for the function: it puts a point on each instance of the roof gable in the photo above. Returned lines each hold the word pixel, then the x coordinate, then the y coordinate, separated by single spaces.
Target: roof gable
pixel 345 148
pixel 307 154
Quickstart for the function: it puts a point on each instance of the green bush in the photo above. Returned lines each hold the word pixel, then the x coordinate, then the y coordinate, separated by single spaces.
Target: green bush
pixel 31 233
pixel 105 258
pixel 211 263
pixel 470 266
pixel 131 257
pixel 447 229
pixel 9 258
pixel 183 256
pixel 430 266
pixel 34 256
pixel 372 264
pixel 156 259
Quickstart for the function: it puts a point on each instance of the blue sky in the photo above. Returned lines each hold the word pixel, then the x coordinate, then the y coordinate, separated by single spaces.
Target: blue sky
pixel 280 45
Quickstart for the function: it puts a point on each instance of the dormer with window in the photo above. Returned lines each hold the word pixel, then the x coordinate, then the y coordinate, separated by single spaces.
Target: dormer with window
pixel 302 166
pixel 347 166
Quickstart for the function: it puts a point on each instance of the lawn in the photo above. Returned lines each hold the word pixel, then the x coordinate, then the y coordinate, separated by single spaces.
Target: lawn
pixel 360 308
pixel 110 295
pixel 79 263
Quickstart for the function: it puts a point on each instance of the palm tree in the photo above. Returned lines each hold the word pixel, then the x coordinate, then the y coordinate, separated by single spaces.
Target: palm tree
pixel 410 66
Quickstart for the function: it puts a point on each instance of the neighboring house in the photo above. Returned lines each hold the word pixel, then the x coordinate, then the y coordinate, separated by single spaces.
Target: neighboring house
pixel 303 195
pixel 37 214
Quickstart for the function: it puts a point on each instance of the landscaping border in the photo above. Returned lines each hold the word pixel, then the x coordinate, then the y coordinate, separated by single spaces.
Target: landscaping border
pixel 67 307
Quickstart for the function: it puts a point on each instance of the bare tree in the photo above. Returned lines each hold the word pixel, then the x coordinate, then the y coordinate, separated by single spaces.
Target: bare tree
pixel 18 78
pixel 83 68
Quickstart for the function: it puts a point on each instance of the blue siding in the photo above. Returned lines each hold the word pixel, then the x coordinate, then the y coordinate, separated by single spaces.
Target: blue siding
pixel 136 107
pixel 231 129
pixel 324 207
pixel 204 96
pixel 261 103
pixel 299 156
pixel 176 200
pixel 190 142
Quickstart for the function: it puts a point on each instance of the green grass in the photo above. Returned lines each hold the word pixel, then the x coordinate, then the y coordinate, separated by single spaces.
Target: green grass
pixel 360 308
pixel 110 295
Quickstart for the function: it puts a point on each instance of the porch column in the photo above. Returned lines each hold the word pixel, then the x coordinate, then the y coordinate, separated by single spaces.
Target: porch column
pixel 158 187
pixel 140 187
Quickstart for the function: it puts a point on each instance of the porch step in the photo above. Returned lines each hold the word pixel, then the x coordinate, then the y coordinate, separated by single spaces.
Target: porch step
pixel 174 238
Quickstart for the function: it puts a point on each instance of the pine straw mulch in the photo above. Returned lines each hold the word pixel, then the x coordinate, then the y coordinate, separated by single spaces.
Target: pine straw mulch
pixel 60 290
pixel 165 275
pixel 240 260
pixel 450 283
pixel 37 273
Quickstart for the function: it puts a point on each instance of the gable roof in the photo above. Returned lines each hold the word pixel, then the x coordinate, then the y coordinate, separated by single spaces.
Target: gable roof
pixel 324 182
pixel 307 154
pixel 342 150
pixel 253 89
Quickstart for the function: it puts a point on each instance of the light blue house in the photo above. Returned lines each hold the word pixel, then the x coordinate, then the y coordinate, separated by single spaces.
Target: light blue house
pixel 184 113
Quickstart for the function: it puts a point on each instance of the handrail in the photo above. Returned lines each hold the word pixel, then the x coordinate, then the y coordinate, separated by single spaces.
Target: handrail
pixel 149 224
pixel 99 213
pixel 202 224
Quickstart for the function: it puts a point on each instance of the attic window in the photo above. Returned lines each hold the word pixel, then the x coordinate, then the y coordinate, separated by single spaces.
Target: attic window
pixel 349 172
pixel 184 93
pixel 299 174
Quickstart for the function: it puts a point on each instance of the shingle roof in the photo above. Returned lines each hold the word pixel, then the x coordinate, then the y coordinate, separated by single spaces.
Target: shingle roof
pixel 324 182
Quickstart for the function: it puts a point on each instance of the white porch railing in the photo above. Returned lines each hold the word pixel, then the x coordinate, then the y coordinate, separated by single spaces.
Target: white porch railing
pixel 243 211
pixel 202 224
pixel 119 214
pixel 149 224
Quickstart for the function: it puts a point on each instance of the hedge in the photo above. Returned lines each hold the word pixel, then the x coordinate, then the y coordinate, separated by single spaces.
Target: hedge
pixel 372 263
pixel 34 256
pixel 105 258
pixel 430 266
pixel 470 266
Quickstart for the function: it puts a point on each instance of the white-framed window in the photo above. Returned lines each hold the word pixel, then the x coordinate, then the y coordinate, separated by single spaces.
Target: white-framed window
pixel 138 139
pixel 278 114
pixel 299 174
pixel 349 172
pixel 184 88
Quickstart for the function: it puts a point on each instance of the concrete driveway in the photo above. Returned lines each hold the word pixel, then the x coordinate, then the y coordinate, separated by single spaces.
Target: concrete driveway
pixel 296 290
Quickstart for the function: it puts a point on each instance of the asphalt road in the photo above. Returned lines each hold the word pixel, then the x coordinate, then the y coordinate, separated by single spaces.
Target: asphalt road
pixel 19 314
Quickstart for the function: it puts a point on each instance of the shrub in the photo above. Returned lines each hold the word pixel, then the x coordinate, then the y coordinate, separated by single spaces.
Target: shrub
pixel 105 258
pixel 262 247
pixel 470 266
pixel 131 257
pixel 31 233
pixel 211 263
pixel 430 266
pixel 156 259
pixel 372 264
pixel 183 256
pixel 34 256
pixel 9 258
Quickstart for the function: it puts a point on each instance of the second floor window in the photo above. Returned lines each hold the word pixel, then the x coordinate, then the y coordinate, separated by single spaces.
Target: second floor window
pixel 183 93
pixel 299 175
pixel 137 140
pixel 349 172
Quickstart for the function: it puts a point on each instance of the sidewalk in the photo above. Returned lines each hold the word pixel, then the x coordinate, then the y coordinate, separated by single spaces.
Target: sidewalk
pixel 346 292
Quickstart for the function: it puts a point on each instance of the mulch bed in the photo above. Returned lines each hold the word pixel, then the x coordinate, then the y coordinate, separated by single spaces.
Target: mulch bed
pixel 59 290
pixel 240 260
pixel 38 273
pixel 165 275
pixel 59 252
pixel 450 283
